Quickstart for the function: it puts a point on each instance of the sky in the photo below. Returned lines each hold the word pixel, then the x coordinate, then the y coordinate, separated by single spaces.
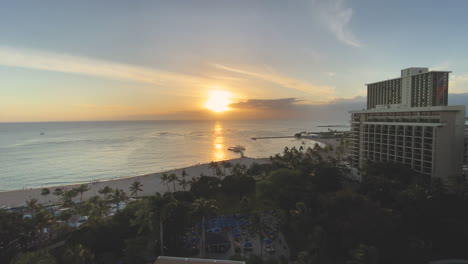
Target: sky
pixel 121 60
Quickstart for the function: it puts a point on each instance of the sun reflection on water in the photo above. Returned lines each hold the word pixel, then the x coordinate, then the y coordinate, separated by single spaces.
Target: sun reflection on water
pixel 219 152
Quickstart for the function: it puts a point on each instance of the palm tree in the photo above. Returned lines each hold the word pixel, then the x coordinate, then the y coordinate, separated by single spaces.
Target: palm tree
pixel 135 187
pixel 226 165
pixel 105 191
pixel 58 192
pixel 213 165
pixel 219 173
pixel 152 211
pixel 42 218
pixel 192 181
pixel 183 181
pixel 203 208
pixel 82 189
pixel 173 178
pixel 68 195
pixel 78 254
pixel 163 203
pixel 33 204
pixel 258 225
pixel 118 196
pixel 45 192
pixel 97 208
pixel 165 180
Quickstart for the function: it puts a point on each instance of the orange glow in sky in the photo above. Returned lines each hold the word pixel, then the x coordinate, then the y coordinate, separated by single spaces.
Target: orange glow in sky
pixel 218 101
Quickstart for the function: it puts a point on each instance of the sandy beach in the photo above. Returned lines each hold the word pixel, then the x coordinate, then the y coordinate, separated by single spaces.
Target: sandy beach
pixel 151 184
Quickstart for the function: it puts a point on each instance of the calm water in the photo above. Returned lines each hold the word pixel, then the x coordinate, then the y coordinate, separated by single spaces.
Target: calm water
pixel 72 152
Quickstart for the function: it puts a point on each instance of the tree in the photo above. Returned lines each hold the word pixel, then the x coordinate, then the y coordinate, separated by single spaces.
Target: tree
pixel 78 254
pixel 239 170
pixel 219 173
pixel 58 192
pixel 173 178
pixel 363 254
pixel 45 192
pixel 105 191
pixel 42 219
pixel 165 180
pixel 135 188
pixel 213 165
pixel 118 196
pixel 68 196
pixel 259 226
pixel 226 165
pixel 203 208
pixel 97 208
pixel 163 203
pixel 205 186
pixel 82 189
pixel 34 257
pixel 33 204
pixel 183 181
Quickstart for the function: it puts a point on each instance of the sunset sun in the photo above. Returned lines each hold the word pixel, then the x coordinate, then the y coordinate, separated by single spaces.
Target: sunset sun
pixel 218 101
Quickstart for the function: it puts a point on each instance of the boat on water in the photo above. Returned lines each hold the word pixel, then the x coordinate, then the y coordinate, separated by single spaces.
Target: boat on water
pixel 237 148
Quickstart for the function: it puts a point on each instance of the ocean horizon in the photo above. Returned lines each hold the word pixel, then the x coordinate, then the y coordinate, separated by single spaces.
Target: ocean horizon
pixel 39 154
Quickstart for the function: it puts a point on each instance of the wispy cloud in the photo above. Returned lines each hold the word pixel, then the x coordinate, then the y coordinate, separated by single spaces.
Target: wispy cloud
pixel 266 103
pixel 34 59
pixel 441 66
pixel 336 17
pixel 102 107
pixel 322 92
pixel 56 62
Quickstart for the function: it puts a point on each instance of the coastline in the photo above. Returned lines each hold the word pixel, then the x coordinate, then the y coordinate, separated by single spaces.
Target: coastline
pixel 151 184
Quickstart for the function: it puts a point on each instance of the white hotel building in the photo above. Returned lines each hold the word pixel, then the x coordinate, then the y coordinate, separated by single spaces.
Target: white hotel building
pixel 407 121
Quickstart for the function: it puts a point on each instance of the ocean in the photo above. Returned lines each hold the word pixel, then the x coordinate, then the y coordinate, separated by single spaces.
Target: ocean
pixel 58 153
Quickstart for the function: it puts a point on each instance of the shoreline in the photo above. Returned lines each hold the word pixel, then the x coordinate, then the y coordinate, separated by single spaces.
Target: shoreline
pixel 151 184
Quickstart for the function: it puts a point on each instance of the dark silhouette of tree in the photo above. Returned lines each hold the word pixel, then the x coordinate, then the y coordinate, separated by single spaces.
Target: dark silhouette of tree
pixel 259 226
pixel 45 192
pixel 213 165
pixel 97 208
pixel 165 180
pixel 135 188
pixel 203 208
pixel 118 196
pixel 105 191
pixel 173 178
pixel 183 180
pixel 78 254
pixel 82 189
pixel 226 165
pixel 34 257
pixel 58 192
pixel 33 205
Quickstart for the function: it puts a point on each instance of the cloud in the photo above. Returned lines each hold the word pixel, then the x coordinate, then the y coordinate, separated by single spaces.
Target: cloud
pixel 336 17
pixel 102 107
pixel 357 99
pixel 266 103
pixel 40 60
pixel 322 92
pixel 56 62
pixel 442 66
pixel 458 83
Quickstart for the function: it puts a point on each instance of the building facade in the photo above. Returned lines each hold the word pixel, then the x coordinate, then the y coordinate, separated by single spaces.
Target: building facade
pixel 408 121
pixel 417 87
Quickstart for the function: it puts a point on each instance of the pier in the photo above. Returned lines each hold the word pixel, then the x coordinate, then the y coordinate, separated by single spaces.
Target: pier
pixel 255 138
